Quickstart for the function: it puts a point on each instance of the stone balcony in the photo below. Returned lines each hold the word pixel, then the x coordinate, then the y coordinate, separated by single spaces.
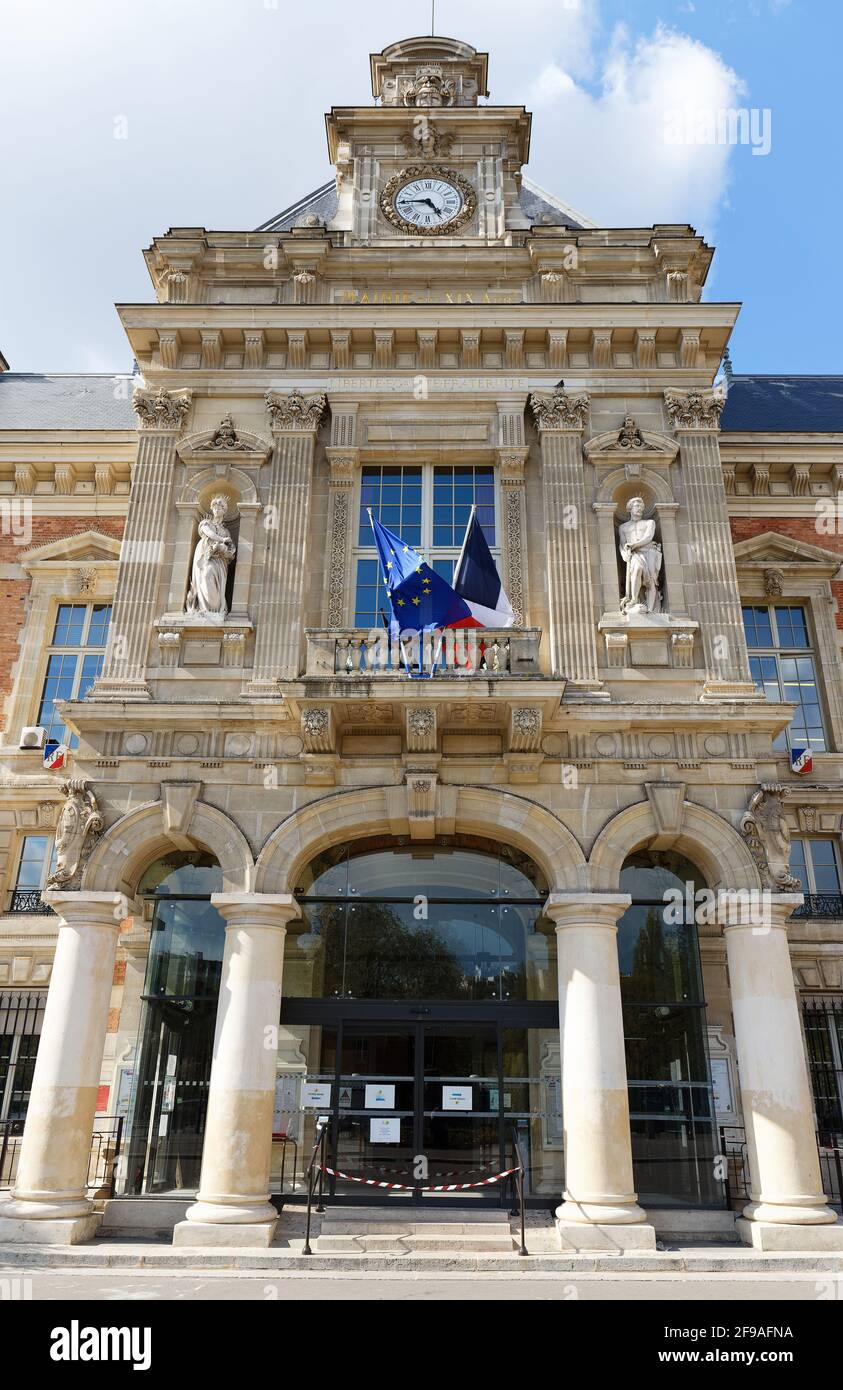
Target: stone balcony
pixel 359 654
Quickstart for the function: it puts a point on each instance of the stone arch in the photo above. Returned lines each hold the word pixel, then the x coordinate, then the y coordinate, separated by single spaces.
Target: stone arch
pixel 705 838
pixel 233 481
pixel 647 480
pixel 133 842
pixel 496 815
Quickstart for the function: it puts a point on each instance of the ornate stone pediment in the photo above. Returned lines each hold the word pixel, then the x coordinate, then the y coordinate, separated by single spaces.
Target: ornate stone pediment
pixel 774 552
pixel 85 547
pixel 224 442
pixel 631 442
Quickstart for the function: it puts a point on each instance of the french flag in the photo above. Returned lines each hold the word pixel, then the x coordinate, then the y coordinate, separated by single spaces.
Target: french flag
pixel 477 581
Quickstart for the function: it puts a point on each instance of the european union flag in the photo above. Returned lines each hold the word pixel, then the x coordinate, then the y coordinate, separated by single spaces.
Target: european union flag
pixel 420 598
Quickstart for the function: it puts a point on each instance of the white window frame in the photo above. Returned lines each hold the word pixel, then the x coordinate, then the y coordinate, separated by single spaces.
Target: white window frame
pixel 778 651
pixel 809 863
pixel 80 651
pixel 427 550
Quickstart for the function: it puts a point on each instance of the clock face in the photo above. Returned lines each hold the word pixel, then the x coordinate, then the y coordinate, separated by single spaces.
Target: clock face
pixel 428 203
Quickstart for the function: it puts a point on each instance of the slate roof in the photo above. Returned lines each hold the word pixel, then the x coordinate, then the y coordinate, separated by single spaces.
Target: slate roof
pixel 65 401
pixel 784 404
pixel 539 206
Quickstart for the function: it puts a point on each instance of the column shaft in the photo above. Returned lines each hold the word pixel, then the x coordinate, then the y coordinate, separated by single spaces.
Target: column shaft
pixel 786 1186
pixel 232 1206
pixel 595 1103
pixel 279 618
pixel 55 1153
pixel 572 620
pixel 139 574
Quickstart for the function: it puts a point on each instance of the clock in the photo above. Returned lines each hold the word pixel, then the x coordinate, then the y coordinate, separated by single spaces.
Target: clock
pixel 428 201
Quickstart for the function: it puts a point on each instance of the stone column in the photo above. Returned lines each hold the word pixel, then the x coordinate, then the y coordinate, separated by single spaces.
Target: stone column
pixel 161 415
pixel 295 421
pixel 599 1210
pixel 787 1209
pixel 561 420
pixel 49 1204
pixel 695 416
pixel 232 1206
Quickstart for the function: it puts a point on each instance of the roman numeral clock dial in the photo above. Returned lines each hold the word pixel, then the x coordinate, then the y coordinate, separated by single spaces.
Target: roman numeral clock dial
pixel 428 202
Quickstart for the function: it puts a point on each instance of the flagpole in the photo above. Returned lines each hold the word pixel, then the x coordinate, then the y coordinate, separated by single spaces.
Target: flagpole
pixel 465 539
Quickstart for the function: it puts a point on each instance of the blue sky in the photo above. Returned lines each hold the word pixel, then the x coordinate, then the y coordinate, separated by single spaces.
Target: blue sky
pixel 221 104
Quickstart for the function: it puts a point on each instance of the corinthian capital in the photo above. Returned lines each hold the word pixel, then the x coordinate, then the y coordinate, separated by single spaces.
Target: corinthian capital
pixel 295 411
pixel 161 410
pixel 694 410
pixel 559 410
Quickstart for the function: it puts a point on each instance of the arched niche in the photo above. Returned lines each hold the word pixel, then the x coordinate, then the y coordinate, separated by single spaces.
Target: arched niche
pixel 224 478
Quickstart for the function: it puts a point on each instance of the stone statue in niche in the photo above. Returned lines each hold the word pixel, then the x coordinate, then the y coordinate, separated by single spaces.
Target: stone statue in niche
pixel 213 554
pixel 80 820
pixel 642 555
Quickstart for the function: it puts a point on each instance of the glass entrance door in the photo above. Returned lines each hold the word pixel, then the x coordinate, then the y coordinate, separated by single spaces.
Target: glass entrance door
pixel 417 1105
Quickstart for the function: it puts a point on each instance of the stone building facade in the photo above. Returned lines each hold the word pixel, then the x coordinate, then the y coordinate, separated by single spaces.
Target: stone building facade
pixel 291 867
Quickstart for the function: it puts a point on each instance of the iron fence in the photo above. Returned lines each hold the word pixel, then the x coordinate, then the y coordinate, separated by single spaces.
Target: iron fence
pixel 829 905
pixel 733 1149
pixel 106 1141
pixel 822 1017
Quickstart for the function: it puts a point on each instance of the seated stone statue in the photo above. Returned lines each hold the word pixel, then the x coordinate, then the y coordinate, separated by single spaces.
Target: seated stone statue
pixel 642 555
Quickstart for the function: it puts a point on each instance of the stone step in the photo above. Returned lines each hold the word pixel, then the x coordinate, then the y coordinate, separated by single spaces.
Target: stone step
pixel 416 1242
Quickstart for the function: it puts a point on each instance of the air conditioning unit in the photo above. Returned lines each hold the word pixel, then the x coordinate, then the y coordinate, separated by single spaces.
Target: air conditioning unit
pixel 32 737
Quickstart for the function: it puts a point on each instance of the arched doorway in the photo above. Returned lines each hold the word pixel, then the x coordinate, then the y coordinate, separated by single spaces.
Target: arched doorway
pixel 178 1005
pixel 672 1117
pixel 420 1014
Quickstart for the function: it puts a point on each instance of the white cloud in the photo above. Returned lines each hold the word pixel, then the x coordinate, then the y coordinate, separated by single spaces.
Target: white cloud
pixel 606 150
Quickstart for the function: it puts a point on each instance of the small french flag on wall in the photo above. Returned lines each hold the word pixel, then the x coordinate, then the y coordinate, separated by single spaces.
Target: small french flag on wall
pixel 477 581
pixel 55 755
pixel 801 761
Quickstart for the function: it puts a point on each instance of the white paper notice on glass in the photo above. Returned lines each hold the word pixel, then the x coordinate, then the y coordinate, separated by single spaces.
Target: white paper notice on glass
pixel 315 1094
pixel 380 1097
pixel 385 1129
pixel 457 1098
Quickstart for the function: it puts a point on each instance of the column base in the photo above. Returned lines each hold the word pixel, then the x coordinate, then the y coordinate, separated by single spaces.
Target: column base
pixel 797 1213
pixel 769 1235
pixel 608 1213
pixel 249 1233
pixel 608 1237
pixel 71 1230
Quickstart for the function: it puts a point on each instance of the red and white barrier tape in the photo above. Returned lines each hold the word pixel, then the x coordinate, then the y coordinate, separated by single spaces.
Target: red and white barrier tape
pixel 416 1187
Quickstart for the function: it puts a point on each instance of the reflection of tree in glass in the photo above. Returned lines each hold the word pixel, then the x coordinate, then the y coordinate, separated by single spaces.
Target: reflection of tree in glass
pixel 387 958
pixel 658 959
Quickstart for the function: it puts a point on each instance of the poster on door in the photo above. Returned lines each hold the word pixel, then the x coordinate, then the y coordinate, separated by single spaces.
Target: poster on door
pixel 315 1094
pixel 380 1098
pixel 457 1098
pixel 385 1129
pixel 285 1116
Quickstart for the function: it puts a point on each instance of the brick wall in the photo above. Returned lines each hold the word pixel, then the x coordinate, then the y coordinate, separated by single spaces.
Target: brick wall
pixel 15 592
pixel 799 529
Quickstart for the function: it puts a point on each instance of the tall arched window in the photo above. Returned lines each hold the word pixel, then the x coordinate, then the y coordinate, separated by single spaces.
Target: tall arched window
pixel 674 1136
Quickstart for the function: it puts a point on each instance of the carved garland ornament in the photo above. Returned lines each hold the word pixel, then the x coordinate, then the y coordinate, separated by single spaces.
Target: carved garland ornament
pixel 425 171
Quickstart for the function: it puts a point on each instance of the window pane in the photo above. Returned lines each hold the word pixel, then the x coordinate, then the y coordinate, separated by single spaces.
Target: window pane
pixel 70 623
pixel 824 860
pixel 792 627
pixel 455 489
pixel 797 863
pixel 394 495
pixel 31 867
pixel 759 632
pixel 98 627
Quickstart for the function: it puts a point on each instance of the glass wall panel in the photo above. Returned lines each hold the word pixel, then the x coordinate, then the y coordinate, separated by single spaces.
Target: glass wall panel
pixel 674 1135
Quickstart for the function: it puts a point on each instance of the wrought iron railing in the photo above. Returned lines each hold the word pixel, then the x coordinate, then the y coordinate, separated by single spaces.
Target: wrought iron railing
pixel 733 1150
pixel 821 905
pixel 28 900
pixel 102 1162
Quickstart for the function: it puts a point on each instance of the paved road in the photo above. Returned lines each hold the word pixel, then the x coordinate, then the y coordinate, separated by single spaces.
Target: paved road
pixel 139 1286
